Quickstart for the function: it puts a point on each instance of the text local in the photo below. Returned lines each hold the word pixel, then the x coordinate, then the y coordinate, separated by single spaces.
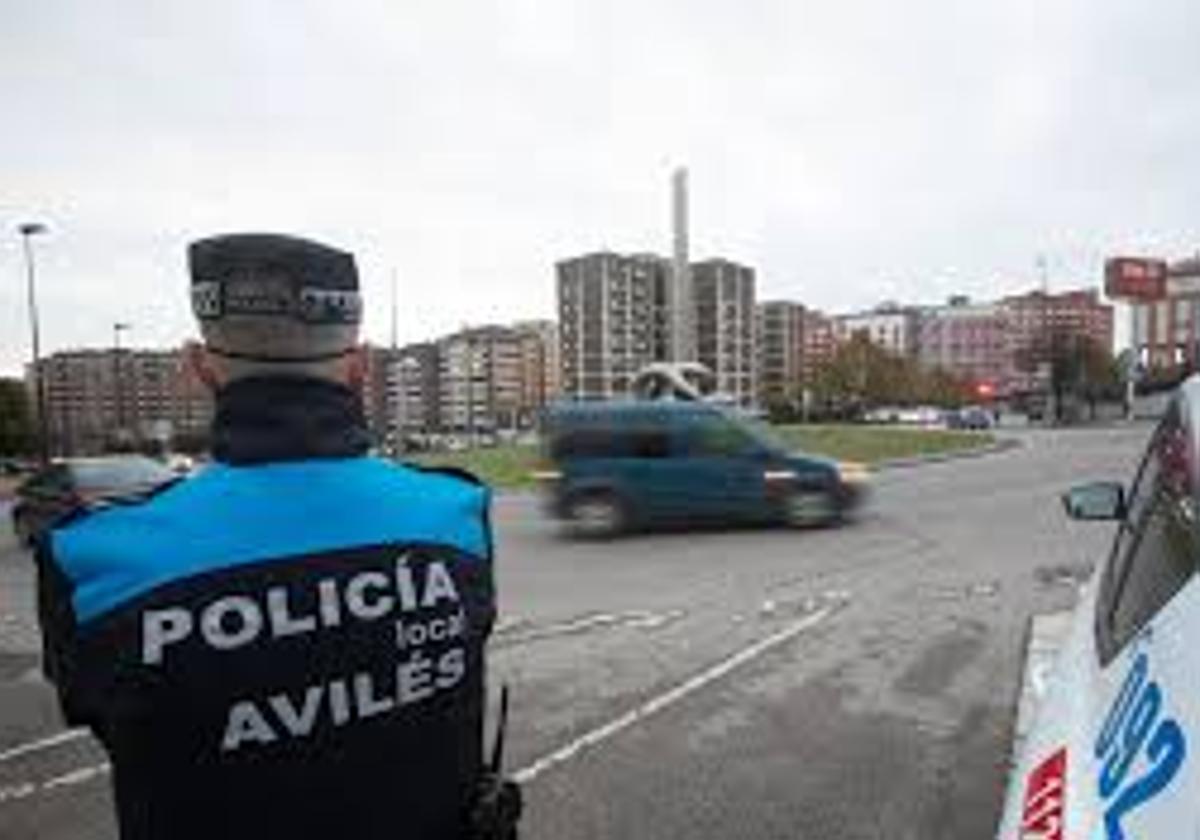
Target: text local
pixel 233 621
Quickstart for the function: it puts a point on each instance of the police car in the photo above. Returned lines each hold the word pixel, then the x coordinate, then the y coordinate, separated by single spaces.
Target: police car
pixel 1115 748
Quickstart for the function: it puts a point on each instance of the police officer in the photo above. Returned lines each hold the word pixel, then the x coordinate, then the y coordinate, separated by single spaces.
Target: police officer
pixel 288 644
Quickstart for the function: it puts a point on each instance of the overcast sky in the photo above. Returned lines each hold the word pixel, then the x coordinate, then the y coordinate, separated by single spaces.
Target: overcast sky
pixel 850 151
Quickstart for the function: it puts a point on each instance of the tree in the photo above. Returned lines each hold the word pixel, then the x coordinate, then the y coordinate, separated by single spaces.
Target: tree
pixel 1076 367
pixel 1099 374
pixel 862 374
pixel 17 435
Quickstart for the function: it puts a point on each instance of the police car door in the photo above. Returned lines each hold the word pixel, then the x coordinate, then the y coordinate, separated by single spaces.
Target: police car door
pixel 1145 706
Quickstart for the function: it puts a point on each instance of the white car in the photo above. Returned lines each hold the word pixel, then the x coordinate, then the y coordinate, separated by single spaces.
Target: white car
pixel 1115 749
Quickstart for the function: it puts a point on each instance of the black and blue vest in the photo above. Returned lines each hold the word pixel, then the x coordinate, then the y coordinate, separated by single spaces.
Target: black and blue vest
pixel 288 644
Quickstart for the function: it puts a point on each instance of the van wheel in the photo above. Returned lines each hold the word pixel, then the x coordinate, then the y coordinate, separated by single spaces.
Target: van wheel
pixel 596 515
pixel 810 509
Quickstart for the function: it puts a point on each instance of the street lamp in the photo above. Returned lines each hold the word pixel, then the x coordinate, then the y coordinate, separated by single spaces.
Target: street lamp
pixel 118 395
pixel 28 230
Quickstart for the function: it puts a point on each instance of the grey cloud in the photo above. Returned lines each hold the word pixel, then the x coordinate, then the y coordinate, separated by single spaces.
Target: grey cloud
pixel 850 151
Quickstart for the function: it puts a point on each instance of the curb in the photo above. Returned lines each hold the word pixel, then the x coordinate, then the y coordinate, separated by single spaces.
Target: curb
pixel 1003 445
pixel 1044 636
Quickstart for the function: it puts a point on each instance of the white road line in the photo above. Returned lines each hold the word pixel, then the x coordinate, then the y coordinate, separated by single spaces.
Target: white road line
pixel 76 777
pixel 17 791
pixel 669 698
pixel 520 632
pixel 46 743
pixel 12 793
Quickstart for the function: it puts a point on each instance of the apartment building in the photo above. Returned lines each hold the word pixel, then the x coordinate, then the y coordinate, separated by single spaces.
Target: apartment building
pixel 969 340
pixel 541 367
pixel 1035 317
pixel 890 326
pixel 613 321
pixel 98 400
pixel 780 351
pixel 480 382
pixel 412 392
pixel 723 295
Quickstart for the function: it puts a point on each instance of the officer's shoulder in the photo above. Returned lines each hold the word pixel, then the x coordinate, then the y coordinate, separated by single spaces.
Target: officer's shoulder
pixel 444 471
pixel 112 504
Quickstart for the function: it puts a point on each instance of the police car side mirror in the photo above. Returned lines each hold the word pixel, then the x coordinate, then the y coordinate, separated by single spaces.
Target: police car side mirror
pixel 1098 501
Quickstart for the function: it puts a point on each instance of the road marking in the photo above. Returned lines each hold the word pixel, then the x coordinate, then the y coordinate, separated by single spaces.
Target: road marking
pixel 669 698
pixel 12 793
pixel 76 777
pixel 520 631
pixel 17 791
pixel 46 743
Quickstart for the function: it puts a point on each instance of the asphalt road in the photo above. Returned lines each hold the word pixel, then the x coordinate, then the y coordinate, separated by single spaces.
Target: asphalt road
pixel 849 683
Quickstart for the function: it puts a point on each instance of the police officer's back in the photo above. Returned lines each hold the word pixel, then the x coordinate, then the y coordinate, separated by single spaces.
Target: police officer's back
pixel 290 643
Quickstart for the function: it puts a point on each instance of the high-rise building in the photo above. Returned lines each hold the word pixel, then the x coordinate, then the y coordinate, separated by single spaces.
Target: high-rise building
pixel 780 352
pixel 613 321
pixel 724 316
pixel 969 341
pixel 97 400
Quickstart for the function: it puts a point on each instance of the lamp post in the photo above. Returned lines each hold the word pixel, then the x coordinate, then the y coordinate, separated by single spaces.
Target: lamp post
pixel 28 230
pixel 118 387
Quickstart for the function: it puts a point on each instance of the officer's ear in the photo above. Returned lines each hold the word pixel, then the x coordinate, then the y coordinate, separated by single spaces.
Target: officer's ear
pixel 356 366
pixel 201 365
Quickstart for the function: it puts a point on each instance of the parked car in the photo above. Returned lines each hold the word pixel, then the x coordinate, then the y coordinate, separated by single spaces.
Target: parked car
pixel 624 465
pixel 883 414
pixel 179 463
pixel 1112 752
pixel 12 467
pixel 67 484
pixel 970 418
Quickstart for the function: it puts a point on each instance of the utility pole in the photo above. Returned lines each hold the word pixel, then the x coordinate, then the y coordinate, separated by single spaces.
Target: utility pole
pixel 28 230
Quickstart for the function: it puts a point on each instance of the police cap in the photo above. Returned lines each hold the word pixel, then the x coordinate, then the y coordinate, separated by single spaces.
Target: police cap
pixel 274 298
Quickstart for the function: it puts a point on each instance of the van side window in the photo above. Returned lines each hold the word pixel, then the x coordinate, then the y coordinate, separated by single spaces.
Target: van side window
pixel 583 443
pixel 649 443
pixel 1157 549
pixel 616 442
pixel 716 436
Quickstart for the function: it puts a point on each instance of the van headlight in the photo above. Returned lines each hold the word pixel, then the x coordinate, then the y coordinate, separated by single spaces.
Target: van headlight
pixel 853 473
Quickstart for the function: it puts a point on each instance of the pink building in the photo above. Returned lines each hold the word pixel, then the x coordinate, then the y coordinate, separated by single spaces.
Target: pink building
pixel 970 341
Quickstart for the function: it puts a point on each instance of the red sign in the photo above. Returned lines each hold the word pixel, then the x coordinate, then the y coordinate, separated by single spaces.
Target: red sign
pixel 1136 278
pixel 1045 792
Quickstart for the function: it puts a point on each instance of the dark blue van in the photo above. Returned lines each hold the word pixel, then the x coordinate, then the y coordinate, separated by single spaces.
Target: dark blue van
pixel 624 465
